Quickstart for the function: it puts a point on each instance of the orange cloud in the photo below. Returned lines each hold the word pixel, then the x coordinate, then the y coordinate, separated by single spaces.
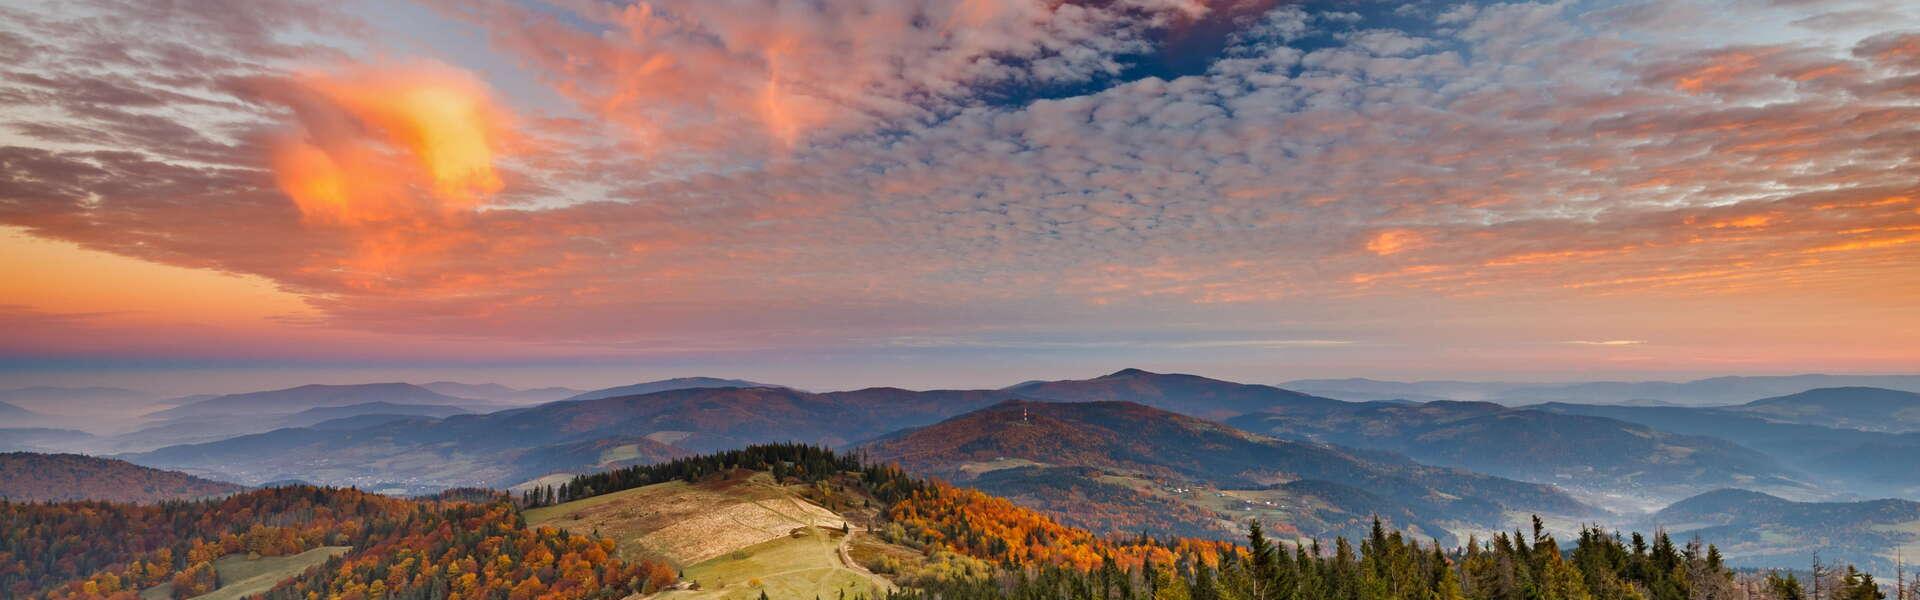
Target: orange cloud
pixel 385 144
pixel 1394 241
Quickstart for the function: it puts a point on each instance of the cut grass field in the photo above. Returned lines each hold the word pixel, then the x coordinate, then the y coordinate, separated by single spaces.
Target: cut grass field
pixel 737 536
pixel 690 523
pixel 241 577
pixel 807 564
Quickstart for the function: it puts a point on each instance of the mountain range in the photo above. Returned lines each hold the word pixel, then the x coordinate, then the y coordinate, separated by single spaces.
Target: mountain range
pixel 1717 391
pixel 1131 451
pixel 1192 461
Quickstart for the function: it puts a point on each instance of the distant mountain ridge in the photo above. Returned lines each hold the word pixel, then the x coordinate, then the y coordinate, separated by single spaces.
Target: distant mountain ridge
pixel 666 385
pixel 27 476
pixel 1716 391
pixel 296 399
pixel 496 448
pixel 499 393
pixel 1186 394
pixel 321 414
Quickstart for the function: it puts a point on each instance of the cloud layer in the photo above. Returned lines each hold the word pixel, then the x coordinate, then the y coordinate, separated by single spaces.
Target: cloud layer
pixel 778 176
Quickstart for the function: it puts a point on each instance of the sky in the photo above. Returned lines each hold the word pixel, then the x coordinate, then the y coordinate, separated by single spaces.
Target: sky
pixel 211 195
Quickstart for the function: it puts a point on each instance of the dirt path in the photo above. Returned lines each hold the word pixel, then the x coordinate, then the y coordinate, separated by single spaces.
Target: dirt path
pixel 846 559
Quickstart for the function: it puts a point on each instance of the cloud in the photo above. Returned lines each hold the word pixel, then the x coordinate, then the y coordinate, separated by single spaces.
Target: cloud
pixel 1605 342
pixel 819 174
pixel 388 143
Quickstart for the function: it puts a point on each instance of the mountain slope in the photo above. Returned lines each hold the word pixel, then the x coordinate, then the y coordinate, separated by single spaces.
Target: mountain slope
pixel 1760 530
pixel 1185 394
pixel 1866 408
pixel 27 476
pixel 667 385
pixel 1164 453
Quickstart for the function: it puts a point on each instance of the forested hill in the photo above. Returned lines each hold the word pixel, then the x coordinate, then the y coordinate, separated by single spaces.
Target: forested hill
pixel 28 476
pixel 1028 556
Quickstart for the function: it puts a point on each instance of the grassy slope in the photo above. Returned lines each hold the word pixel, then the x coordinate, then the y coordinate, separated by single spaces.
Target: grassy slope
pixel 803 565
pixel 725 534
pixel 240 577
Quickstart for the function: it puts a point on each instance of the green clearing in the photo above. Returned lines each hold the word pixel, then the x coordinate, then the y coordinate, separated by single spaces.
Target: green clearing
pixel 804 565
pixel 240 577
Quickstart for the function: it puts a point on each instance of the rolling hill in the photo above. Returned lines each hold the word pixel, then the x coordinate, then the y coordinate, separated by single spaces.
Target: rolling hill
pixel 1166 456
pixel 27 476
pixel 1864 408
pixel 1760 530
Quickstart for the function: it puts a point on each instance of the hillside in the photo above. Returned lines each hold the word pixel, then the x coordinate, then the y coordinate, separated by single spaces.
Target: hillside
pixel 35 439
pixel 667 385
pixel 1865 408
pixel 1183 459
pixel 26 476
pixel 1185 394
pixel 1628 464
pixel 1766 531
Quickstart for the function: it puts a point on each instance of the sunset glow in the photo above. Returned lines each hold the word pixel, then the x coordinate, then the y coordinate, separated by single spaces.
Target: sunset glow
pixel 1445 188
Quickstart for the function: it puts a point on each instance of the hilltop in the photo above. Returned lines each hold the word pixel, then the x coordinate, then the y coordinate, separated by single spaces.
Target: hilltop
pixel 1186 394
